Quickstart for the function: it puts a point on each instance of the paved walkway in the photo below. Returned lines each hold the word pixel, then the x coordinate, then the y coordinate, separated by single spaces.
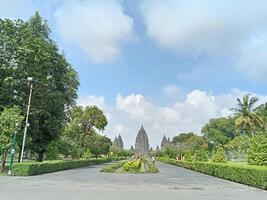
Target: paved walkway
pixel 89 184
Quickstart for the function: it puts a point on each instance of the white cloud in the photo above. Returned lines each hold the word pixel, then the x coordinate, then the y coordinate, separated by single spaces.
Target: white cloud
pixel 132 111
pixel 219 29
pixel 92 100
pixel 98 27
pixel 203 27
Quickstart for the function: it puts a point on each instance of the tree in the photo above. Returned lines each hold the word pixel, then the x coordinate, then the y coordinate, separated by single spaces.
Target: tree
pixel 181 138
pixel 27 51
pixel 98 144
pixel 8 118
pixel 247 121
pixel 262 112
pixel 239 146
pixel 171 151
pixel 84 122
pixel 257 154
pixel 219 156
pixel 219 131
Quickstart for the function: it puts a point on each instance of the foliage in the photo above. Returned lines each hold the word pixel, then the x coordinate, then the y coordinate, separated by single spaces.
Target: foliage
pixel 83 123
pixel 27 50
pixel 201 155
pixel 181 138
pixel 8 118
pixel 132 166
pixel 98 144
pixel 239 146
pixel 74 153
pixel 189 156
pixel 52 151
pixel 247 121
pixel 30 169
pixel 255 176
pixel 257 154
pixel 219 156
pixel 219 131
pixel 115 151
pixel 87 154
pixel 113 167
pixel 171 151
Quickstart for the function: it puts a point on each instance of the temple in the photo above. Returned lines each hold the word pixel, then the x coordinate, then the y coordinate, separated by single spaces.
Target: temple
pixel 118 142
pixel 164 142
pixel 141 142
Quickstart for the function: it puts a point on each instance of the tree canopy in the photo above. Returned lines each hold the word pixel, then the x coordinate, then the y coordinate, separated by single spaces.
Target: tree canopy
pixel 26 50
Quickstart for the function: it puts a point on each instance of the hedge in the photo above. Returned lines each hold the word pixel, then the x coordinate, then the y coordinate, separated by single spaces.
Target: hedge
pixel 36 168
pixel 255 176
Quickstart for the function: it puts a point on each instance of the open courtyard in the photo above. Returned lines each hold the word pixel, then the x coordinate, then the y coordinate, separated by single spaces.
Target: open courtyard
pixel 88 183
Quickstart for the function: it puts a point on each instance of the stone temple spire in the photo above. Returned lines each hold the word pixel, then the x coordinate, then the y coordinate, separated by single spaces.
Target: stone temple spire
pixel 118 142
pixel 164 142
pixel 141 142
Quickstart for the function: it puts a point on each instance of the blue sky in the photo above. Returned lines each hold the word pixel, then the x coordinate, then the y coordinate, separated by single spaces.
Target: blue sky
pixel 168 64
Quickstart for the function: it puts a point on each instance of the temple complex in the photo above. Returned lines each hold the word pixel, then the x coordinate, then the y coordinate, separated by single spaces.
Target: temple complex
pixel 141 142
pixel 118 142
pixel 164 142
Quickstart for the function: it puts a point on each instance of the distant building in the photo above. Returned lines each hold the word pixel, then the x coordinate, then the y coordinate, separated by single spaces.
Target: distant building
pixel 118 142
pixel 141 142
pixel 164 142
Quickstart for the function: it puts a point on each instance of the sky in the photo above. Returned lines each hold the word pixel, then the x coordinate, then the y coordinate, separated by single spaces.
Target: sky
pixel 169 65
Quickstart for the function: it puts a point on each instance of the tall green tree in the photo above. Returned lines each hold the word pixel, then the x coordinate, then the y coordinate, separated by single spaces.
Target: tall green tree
pixel 27 50
pixel 247 121
pixel 97 144
pixel 219 130
pixel 8 118
pixel 84 122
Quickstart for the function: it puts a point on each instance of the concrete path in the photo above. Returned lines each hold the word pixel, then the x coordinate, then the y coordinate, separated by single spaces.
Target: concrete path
pixel 89 184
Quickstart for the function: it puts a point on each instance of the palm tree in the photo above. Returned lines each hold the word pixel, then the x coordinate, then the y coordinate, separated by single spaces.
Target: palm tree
pixel 247 121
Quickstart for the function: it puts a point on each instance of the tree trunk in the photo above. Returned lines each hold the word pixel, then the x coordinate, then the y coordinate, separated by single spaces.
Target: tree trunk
pixel 40 156
pixel 4 155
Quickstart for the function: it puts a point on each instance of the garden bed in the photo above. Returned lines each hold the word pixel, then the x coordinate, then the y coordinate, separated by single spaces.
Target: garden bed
pixel 142 165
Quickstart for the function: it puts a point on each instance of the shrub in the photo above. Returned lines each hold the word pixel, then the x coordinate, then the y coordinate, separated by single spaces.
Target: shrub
pixel 52 151
pixel 201 155
pixel 87 154
pixel 74 153
pixel 132 166
pixel 219 156
pixel 255 176
pixel 257 154
pixel 113 167
pixel 189 156
pixel 29 169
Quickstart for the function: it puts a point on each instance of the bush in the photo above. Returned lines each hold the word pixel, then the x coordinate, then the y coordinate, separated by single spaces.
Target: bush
pixel 255 176
pixel 219 156
pixel 113 167
pixel 87 154
pixel 29 169
pixel 74 153
pixel 201 155
pixel 257 154
pixel 132 166
pixel 189 156
pixel 52 151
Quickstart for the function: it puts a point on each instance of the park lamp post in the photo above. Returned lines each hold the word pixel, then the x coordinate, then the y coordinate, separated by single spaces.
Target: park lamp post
pixel 30 82
pixel 13 149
